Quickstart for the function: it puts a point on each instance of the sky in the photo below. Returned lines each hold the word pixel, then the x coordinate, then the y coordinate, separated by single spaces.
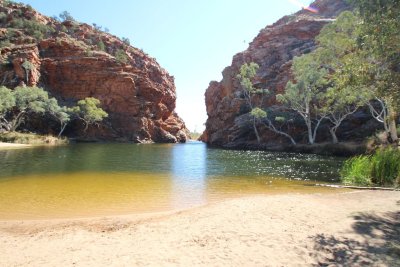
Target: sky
pixel 193 40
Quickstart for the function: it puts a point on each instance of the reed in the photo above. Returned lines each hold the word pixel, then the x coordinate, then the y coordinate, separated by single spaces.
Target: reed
pixel 382 168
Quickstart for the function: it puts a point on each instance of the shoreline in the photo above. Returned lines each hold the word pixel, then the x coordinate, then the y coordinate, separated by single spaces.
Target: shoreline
pixel 4 145
pixel 287 229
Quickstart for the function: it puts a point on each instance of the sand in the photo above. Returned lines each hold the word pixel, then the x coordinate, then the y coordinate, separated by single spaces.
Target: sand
pixel 12 145
pixel 354 228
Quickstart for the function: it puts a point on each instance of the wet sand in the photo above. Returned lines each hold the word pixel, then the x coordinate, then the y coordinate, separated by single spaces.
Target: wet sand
pixel 353 228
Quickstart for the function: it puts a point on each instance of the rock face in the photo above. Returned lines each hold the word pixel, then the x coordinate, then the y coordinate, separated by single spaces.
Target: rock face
pixel 273 49
pixel 73 61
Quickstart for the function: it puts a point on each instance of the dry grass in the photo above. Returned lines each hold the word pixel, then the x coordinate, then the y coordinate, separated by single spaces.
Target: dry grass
pixel 31 139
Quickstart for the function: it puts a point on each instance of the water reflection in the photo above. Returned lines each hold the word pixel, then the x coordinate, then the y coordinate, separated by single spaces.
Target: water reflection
pixel 189 174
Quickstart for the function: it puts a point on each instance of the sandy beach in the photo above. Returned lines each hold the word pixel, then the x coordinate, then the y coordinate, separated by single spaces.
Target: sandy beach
pixel 12 145
pixel 341 229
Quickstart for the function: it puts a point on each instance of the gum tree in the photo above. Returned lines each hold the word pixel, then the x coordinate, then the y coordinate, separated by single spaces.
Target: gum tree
pixel 7 102
pixel 258 114
pixel 304 95
pixel 89 111
pixel 27 100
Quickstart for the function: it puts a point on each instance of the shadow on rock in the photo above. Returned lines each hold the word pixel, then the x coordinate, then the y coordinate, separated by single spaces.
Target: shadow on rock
pixel 374 242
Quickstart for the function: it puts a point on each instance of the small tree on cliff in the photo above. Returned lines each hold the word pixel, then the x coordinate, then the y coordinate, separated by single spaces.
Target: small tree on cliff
pixel 27 66
pixel 247 73
pixel 88 111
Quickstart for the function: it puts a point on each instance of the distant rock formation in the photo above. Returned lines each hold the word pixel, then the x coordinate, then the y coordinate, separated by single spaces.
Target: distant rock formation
pixel 228 124
pixel 72 61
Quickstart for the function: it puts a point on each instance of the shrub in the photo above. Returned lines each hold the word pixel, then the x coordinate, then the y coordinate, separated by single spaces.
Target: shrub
pixel 121 56
pixel 101 46
pixel 382 168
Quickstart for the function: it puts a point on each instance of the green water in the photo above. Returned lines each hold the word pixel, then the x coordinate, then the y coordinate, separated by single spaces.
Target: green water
pixel 104 179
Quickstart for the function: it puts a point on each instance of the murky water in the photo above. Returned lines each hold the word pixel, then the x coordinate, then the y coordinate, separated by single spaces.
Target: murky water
pixel 104 179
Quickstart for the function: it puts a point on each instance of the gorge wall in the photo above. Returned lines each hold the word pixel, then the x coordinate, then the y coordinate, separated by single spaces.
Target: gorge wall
pixel 74 60
pixel 229 124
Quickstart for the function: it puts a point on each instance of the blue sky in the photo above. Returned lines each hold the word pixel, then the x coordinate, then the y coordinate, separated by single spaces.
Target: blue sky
pixel 193 40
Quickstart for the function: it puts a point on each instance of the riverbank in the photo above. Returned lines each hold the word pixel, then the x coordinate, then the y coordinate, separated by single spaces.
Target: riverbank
pixel 12 145
pixel 21 140
pixel 351 228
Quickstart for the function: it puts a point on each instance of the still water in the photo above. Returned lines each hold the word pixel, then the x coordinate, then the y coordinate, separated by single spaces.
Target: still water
pixel 104 179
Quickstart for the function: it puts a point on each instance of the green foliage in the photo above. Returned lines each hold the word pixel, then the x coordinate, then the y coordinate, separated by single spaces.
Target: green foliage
pixel 101 46
pixel 246 74
pixel 32 27
pixel 61 114
pixel 89 111
pixel 356 171
pixel 31 99
pixel 306 95
pixel 28 65
pixel 7 100
pixel 258 113
pixel 280 119
pixel 382 168
pixel 121 56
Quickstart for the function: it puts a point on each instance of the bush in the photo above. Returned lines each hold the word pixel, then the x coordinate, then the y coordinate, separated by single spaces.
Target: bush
pixel 32 27
pixel 101 46
pixel 382 168
pixel 121 56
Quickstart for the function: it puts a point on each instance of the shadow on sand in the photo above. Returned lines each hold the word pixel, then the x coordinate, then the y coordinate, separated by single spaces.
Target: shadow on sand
pixel 375 241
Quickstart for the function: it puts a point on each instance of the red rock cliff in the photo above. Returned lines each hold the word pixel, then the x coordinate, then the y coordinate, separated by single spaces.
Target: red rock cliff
pixel 273 50
pixel 73 61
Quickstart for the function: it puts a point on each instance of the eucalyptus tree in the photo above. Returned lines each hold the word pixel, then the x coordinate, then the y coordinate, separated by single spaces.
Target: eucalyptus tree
pixel 380 39
pixel 337 45
pixel 7 102
pixel 61 114
pixel 28 100
pixel 245 76
pixel 304 96
pixel 258 114
pixel 89 111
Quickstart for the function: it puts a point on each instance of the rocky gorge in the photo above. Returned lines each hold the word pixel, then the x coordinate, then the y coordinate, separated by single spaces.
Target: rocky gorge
pixel 229 124
pixel 73 60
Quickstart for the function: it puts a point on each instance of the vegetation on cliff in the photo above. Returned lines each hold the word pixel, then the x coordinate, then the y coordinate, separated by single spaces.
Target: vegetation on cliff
pixel 340 76
pixel 73 61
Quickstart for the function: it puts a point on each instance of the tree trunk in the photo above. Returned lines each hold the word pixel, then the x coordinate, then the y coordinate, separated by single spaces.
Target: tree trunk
pixel 273 128
pixel 333 134
pixel 63 125
pixel 255 130
pixel 17 121
pixel 392 126
pixel 310 132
